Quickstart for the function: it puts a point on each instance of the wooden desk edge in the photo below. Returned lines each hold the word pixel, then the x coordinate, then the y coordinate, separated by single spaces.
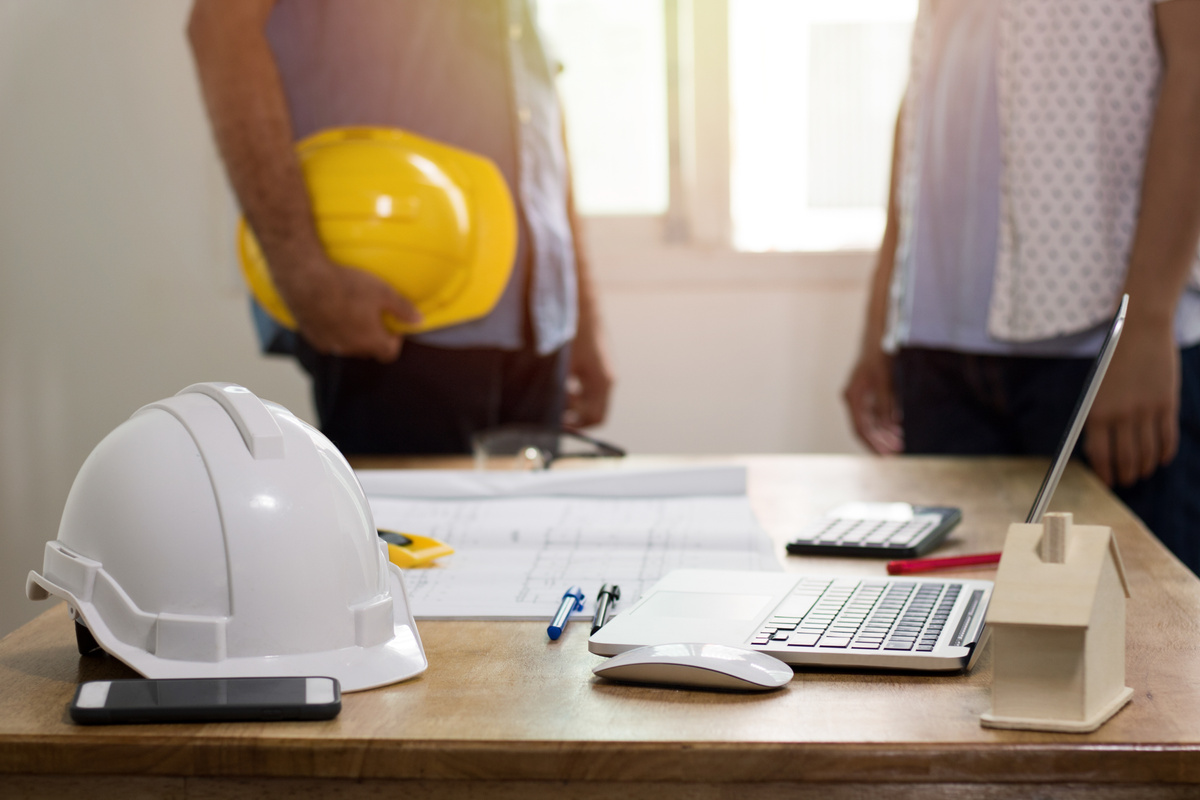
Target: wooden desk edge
pixel 709 762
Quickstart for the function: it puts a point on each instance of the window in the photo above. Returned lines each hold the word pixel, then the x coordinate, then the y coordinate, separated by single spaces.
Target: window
pixel 814 93
pixel 761 125
pixel 614 94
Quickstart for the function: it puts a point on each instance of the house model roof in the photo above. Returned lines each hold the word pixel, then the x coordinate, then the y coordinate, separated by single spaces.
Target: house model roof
pixel 1031 591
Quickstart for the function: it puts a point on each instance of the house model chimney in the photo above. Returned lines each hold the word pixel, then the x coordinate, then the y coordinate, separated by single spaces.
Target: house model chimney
pixel 1052 548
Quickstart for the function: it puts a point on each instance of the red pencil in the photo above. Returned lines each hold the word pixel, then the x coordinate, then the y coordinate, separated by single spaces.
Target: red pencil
pixel 928 564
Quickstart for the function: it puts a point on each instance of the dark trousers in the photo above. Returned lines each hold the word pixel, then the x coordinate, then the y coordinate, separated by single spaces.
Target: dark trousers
pixel 432 399
pixel 962 404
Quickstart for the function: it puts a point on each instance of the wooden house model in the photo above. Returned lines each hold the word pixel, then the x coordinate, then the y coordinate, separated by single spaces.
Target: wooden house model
pixel 1057 619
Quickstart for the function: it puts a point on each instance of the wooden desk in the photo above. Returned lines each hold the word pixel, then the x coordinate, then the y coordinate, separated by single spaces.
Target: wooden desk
pixel 504 713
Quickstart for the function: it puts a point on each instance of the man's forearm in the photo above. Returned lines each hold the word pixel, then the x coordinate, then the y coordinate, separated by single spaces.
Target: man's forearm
pixel 589 324
pixel 252 127
pixel 592 379
pixel 340 311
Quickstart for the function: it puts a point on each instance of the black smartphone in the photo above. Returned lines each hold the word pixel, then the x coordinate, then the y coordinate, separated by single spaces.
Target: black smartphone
pixel 205 700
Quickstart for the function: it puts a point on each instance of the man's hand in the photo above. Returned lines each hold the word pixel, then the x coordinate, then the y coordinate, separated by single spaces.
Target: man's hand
pixel 344 311
pixel 1133 427
pixel 589 382
pixel 339 310
pixel 871 400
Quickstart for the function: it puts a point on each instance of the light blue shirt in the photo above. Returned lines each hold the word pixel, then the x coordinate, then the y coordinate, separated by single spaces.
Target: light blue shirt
pixel 469 73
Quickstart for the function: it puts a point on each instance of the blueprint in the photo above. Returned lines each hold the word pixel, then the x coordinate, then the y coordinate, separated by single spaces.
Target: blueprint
pixel 522 539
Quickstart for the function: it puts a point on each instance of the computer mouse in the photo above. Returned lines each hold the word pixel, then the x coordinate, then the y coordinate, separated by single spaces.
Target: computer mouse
pixel 704 666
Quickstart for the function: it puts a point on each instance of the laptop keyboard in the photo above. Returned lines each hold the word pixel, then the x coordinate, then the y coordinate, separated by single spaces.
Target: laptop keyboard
pixel 891 615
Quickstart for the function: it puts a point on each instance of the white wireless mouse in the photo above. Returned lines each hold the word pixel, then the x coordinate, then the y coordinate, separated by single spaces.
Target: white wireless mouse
pixel 707 666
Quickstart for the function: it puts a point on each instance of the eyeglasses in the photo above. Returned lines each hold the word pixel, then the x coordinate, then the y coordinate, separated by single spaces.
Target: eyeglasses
pixel 537 446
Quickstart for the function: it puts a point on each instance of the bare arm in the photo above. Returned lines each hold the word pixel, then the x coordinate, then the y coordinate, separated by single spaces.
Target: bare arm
pixel 869 392
pixel 1133 426
pixel 590 381
pixel 337 309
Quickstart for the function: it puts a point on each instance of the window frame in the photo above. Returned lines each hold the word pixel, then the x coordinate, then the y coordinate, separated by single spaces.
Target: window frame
pixel 690 243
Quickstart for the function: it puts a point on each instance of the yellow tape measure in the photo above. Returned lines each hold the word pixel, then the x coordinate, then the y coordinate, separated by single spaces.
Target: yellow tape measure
pixel 408 550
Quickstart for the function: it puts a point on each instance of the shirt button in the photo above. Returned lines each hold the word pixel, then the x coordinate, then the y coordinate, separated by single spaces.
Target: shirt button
pixel 514 32
pixel 523 115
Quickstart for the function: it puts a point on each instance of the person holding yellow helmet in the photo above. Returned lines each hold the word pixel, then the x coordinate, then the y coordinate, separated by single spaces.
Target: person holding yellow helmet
pixel 417 251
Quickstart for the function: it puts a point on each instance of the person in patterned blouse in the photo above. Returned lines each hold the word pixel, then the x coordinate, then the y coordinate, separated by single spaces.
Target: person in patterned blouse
pixel 1046 161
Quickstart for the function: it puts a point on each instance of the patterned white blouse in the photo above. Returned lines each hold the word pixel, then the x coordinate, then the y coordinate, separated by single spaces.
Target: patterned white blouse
pixel 1077 85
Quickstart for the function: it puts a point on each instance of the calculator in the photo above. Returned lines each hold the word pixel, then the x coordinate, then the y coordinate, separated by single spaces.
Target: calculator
pixel 876 530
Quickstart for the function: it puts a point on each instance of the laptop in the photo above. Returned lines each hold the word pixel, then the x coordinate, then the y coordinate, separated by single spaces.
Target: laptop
pixel 887 623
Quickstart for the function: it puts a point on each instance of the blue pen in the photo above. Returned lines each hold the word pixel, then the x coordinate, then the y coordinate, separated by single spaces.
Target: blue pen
pixel 571 601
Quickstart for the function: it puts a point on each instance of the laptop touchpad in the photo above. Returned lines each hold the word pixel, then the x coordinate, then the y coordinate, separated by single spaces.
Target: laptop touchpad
pixel 696 605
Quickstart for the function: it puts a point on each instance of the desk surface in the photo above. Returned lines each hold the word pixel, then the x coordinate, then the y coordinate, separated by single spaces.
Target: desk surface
pixel 503 706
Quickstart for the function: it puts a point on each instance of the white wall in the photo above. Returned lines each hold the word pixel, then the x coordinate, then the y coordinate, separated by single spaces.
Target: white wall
pixel 118 284
pixel 718 352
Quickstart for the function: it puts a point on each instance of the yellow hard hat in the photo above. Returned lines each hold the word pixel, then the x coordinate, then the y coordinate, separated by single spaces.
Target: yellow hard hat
pixel 435 222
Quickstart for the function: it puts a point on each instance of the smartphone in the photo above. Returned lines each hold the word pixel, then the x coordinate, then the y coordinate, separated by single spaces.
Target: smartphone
pixel 143 700
pixel 876 530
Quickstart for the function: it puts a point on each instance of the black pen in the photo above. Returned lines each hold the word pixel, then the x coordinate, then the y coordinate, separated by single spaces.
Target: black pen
pixel 607 596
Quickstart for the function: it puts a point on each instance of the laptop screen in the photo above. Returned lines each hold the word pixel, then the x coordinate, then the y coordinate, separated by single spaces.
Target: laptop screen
pixel 1079 416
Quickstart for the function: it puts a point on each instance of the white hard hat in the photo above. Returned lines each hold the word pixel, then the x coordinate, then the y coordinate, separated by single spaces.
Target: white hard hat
pixel 213 534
